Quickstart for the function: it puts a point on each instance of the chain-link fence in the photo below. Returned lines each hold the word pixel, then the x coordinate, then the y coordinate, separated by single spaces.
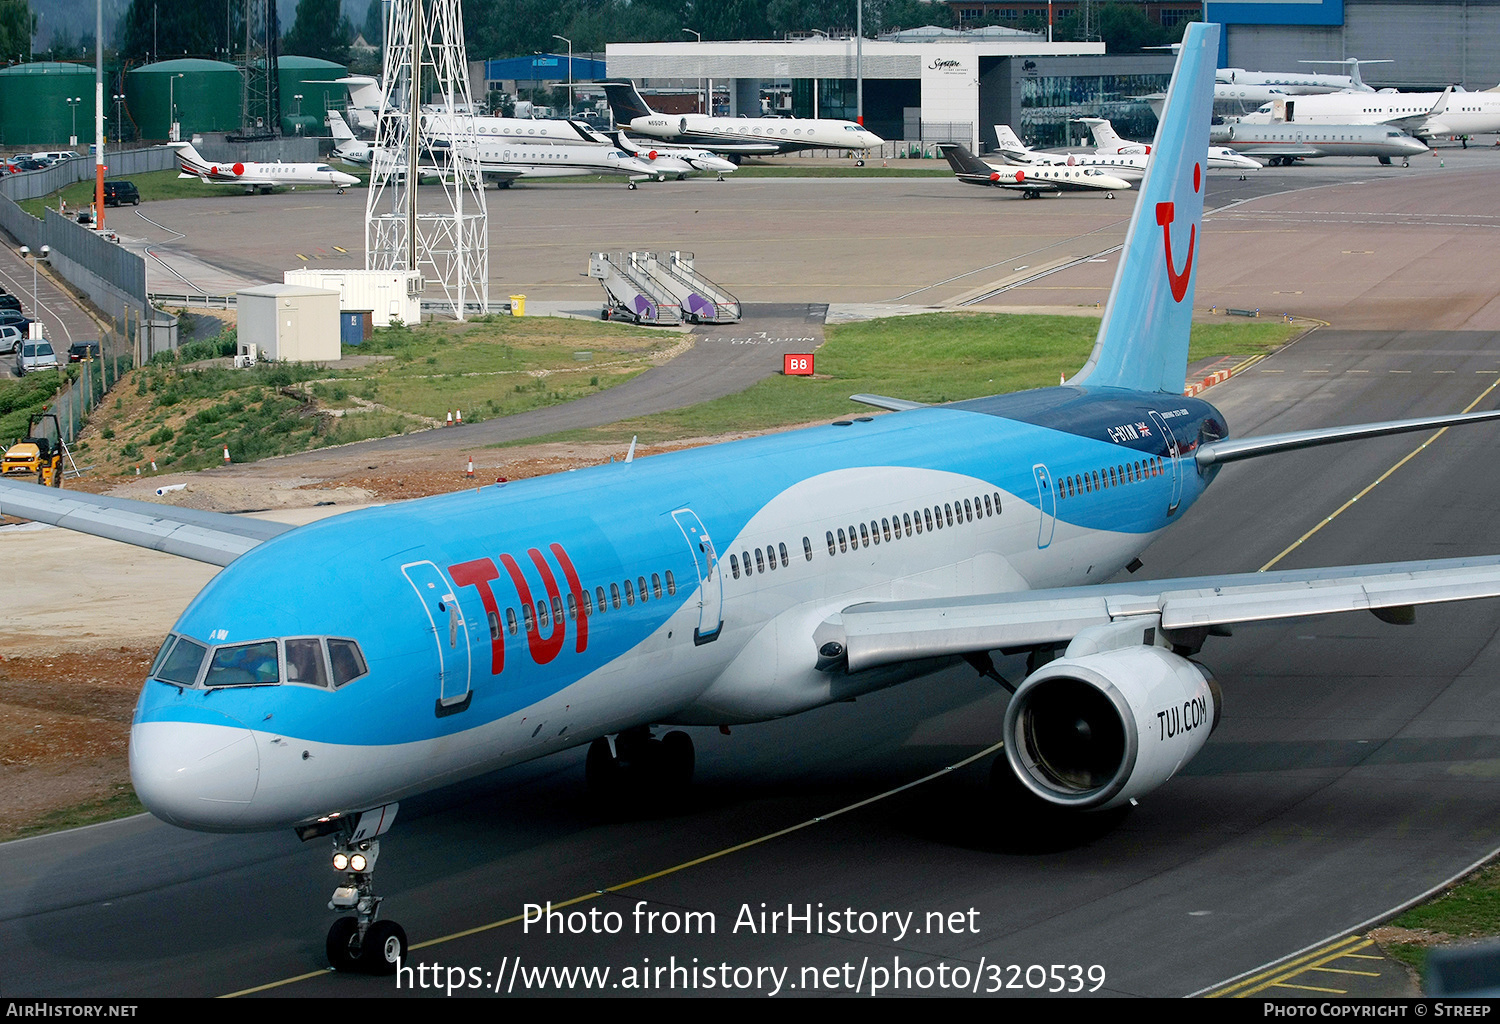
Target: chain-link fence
pixel 97 374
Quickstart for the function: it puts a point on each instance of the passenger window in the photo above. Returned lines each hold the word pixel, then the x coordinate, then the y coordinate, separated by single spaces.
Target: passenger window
pixel 557 609
pixel 968 511
pixel 997 503
pixel 854 538
pixel 987 505
pixel 885 527
pixel 640 585
pixel 926 518
pixel 510 621
pixel 874 531
pixel 543 619
pixel 807 548
pixel 254 664
pixel 843 542
pixel 907 520
pixel 786 563
pixel 771 556
pixel 572 608
pixel 745 557
pixel 494 618
pixel 629 594
pixel 347 660
pixel 614 595
pixel 937 515
pixel 656 586
pixel 588 604
pixel 598 596
pixel 864 535
pixel 948 511
pixel 671 584
pixel 304 658
pixel 760 562
pixel 831 549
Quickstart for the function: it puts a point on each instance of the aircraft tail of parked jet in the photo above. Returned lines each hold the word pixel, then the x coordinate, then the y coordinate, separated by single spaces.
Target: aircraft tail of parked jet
pixel 346 146
pixel 625 102
pixel 1143 340
pixel 1010 143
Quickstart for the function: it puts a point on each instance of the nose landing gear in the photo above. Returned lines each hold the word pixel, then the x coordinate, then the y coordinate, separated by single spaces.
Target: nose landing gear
pixel 362 943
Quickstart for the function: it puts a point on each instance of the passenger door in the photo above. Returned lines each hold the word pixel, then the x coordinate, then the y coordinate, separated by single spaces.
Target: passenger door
pixel 450 632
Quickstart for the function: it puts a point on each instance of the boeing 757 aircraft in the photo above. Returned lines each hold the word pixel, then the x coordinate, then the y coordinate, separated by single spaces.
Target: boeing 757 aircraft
pixel 1031 180
pixel 736 136
pixel 253 176
pixel 334 669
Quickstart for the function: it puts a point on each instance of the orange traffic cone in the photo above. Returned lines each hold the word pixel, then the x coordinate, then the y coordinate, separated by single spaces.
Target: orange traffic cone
pixel 226 456
pixel 458 418
pixel 470 472
pixel 450 420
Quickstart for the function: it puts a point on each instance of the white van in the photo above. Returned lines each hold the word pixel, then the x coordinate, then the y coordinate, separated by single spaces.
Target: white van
pixel 56 155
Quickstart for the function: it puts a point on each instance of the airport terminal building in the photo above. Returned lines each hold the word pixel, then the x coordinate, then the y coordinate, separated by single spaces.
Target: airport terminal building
pixel 926 85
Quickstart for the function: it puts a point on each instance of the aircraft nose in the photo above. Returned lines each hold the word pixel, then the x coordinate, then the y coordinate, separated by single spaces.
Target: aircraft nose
pixel 201 774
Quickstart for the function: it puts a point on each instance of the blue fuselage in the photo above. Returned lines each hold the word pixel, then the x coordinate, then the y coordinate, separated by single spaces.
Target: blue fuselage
pixel 510 621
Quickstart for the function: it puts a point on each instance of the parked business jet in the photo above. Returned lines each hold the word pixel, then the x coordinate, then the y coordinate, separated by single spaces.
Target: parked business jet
pixel 1295 83
pixel 422 643
pixel 738 136
pixel 253 176
pixel 697 161
pixel 503 162
pixel 1107 140
pixel 1130 166
pixel 1286 143
pixel 1423 114
pixel 1031 180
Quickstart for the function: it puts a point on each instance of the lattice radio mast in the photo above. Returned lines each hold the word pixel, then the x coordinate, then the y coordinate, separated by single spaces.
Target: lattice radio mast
pixel 260 103
pixel 442 231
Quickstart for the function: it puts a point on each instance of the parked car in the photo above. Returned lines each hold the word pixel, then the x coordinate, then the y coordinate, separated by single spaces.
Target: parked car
pixel 81 350
pixel 121 193
pixel 9 301
pixel 35 355
pixel 56 156
pixel 11 337
pixel 21 320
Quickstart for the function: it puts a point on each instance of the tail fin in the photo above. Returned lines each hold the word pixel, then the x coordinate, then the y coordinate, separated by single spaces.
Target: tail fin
pixel 1105 136
pixel 625 102
pixel 962 161
pixel 340 130
pixel 364 91
pixel 1009 141
pixel 188 160
pixel 1143 341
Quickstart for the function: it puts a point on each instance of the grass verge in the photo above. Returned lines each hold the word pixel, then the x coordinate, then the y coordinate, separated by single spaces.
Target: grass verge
pixel 182 417
pixel 1467 912
pixel 122 803
pixel 933 357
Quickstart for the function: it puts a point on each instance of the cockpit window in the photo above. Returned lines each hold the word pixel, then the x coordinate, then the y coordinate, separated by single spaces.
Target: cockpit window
pixel 348 663
pixel 304 663
pixel 180 665
pixel 244 665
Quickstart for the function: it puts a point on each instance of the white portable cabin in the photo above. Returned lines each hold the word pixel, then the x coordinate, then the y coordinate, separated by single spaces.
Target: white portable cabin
pixel 390 295
pixel 290 323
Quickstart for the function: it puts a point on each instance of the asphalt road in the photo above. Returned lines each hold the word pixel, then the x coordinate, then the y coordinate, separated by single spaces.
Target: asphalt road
pixel 1355 768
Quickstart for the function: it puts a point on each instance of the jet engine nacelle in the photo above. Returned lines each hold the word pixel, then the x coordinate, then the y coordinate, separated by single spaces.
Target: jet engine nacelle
pixel 1094 732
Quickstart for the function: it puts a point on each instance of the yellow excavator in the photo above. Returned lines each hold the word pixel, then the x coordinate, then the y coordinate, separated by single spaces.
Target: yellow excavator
pixel 36 455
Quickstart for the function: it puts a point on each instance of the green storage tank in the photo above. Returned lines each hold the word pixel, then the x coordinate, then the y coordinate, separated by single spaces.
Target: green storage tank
pixel 206 94
pixel 34 107
pixel 312 79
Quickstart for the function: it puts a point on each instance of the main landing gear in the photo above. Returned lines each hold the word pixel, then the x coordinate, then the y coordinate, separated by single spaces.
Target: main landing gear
pixel 636 768
pixel 361 943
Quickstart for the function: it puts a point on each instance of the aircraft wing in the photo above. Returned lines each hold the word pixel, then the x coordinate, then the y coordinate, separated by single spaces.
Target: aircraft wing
pixel 1425 124
pixel 887 632
pixel 213 537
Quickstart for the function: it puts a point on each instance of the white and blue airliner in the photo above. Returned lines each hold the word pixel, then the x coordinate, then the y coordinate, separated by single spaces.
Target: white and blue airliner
pixel 334 669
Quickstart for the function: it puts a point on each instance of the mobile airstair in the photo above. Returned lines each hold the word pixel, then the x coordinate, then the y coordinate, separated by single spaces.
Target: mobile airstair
pixel 632 291
pixel 702 301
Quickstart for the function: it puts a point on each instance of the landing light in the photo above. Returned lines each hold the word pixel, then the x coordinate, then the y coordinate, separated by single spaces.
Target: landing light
pixel 358 862
pixel 340 861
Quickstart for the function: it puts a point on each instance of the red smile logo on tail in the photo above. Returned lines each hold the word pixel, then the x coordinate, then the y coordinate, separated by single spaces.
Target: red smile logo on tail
pixel 1165 214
